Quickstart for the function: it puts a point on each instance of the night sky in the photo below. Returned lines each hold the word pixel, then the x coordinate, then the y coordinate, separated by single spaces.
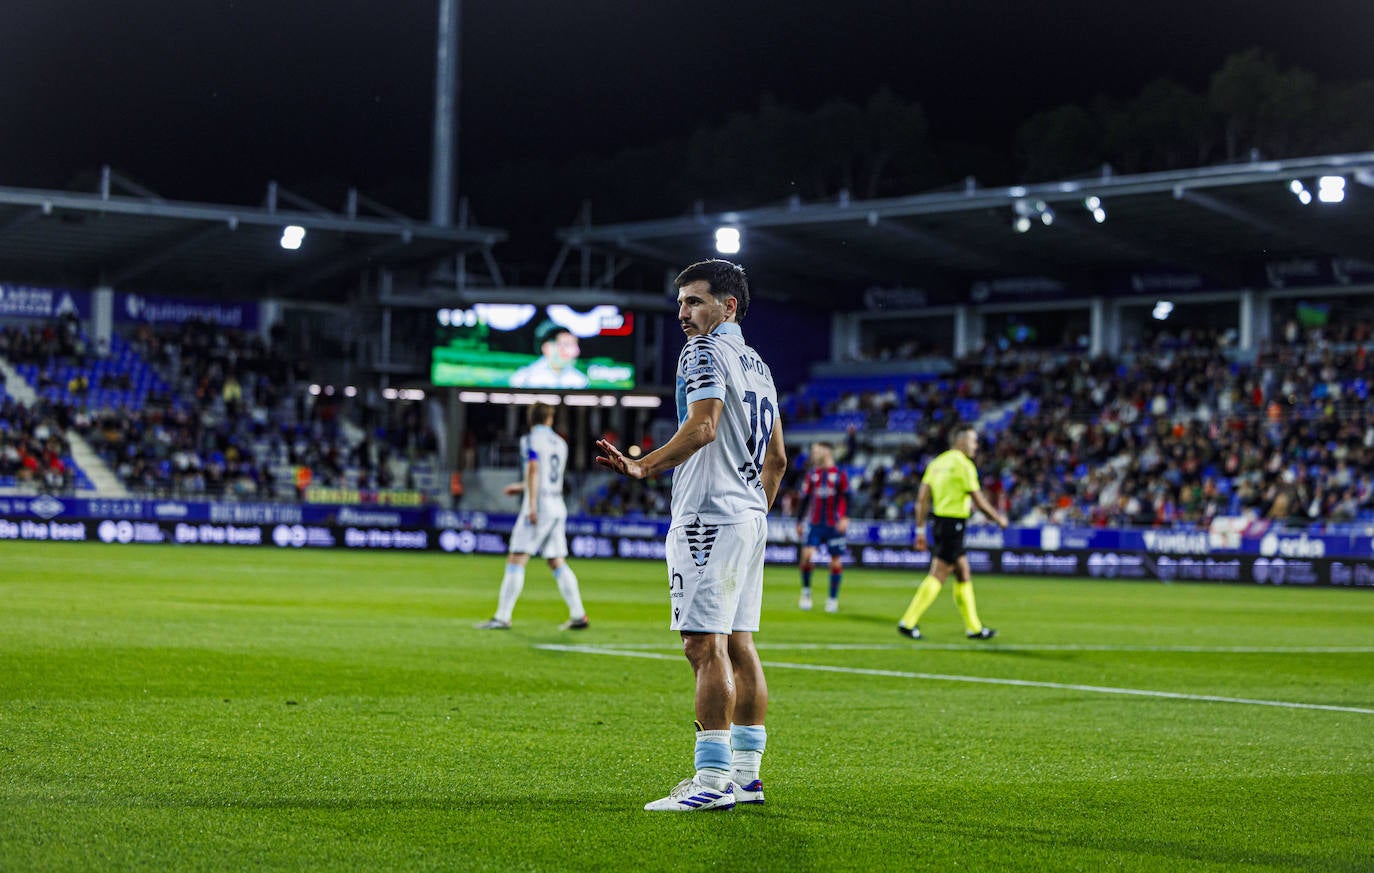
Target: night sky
pixel 208 99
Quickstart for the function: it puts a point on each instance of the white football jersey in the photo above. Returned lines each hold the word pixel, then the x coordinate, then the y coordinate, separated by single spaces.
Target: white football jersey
pixel 721 483
pixel 551 451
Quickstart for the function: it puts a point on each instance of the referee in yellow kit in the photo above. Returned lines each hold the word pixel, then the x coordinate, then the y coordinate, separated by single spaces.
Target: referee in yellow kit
pixel 952 481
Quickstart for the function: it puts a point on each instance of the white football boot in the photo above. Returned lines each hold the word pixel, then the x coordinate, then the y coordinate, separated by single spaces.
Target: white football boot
pixel 751 792
pixel 691 796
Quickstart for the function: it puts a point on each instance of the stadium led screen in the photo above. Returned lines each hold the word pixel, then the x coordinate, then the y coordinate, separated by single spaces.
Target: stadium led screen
pixel 527 346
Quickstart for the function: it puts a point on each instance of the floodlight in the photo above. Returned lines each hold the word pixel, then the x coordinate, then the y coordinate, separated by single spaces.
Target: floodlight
pixel 727 240
pixel 1099 215
pixel 1331 189
pixel 1296 186
pixel 1304 197
pixel 1163 309
pixel 1026 210
pixel 1092 203
pixel 292 236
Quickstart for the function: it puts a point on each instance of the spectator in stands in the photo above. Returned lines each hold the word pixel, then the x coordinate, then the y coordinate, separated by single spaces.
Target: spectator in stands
pixel 304 476
pixel 455 488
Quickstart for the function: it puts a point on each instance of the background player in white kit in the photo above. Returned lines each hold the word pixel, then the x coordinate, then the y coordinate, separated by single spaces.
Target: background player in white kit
pixel 729 455
pixel 541 527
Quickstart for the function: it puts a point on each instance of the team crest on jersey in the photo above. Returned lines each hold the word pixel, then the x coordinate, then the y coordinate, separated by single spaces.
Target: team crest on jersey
pixel 697 357
pixel 701 539
pixel 700 362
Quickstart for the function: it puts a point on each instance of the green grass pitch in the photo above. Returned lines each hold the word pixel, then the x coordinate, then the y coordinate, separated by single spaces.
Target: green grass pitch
pixel 200 708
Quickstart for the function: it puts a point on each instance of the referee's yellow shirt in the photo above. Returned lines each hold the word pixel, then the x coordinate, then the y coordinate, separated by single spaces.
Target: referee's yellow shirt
pixel 952 478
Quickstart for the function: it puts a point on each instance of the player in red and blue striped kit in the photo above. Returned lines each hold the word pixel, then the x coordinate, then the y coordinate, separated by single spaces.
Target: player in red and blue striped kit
pixel 824 503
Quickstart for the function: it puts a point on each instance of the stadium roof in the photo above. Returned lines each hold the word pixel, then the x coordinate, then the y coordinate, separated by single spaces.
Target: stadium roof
pixel 1219 227
pixel 137 240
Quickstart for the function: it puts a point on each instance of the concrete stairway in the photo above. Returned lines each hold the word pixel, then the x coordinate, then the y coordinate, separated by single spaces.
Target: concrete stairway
pixel 106 483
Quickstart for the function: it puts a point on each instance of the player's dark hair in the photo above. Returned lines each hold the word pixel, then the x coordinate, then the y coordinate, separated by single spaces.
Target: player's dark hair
pixel 826 444
pixel 725 280
pixel 540 413
pixel 548 332
pixel 960 430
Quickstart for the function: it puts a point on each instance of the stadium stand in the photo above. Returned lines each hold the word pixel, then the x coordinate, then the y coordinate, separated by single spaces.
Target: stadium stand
pixel 1172 434
pixel 191 410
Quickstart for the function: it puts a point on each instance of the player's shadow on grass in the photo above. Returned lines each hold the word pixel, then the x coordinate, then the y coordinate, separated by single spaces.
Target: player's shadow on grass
pixel 525 803
pixel 552 806
pixel 884 620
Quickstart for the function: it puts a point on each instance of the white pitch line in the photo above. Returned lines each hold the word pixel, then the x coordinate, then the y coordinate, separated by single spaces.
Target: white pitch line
pixel 998 647
pixel 981 680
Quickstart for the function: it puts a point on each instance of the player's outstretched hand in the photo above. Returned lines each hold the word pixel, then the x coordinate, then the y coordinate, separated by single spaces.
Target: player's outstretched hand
pixel 612 459
pixel 513 489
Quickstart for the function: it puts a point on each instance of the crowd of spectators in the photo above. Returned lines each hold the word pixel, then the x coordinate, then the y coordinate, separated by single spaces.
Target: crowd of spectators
pixel 239 415
pixel 631 497
pixel 223 370
pixel 34 451
pixel 61 337
pixel 180 452
pixel 1177 432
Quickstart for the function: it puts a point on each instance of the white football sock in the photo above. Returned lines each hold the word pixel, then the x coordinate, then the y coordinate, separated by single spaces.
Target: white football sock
pixel 511 586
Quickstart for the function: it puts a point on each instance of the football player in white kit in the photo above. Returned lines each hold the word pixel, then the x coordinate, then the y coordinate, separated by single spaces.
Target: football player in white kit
pixel 729 458
pixel 541 527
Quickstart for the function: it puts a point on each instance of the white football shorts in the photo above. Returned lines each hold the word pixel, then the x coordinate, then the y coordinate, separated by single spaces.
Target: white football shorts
pixel 715 575
pixel 547 539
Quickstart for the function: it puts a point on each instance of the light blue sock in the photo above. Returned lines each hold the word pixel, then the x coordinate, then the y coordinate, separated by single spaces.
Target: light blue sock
pixel 567 586
pixel 713 758
pixel 747 742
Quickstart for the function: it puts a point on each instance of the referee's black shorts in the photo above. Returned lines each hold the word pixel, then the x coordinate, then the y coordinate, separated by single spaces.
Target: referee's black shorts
pixel 947 538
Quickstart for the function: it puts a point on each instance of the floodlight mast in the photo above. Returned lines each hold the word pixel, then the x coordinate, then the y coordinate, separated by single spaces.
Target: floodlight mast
pixel 443 179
